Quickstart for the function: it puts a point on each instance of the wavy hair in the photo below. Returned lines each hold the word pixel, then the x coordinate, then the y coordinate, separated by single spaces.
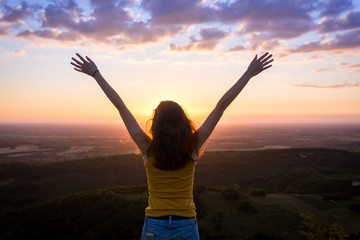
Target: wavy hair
pixel 174 138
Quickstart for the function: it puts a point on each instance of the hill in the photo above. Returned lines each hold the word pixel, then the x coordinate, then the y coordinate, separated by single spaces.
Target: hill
pixel 92 198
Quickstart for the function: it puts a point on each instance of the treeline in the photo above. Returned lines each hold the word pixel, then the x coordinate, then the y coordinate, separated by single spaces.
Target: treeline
pixel 325 171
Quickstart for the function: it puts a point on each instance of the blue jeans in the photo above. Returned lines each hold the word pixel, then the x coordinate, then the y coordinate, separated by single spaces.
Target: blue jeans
pixel 158 229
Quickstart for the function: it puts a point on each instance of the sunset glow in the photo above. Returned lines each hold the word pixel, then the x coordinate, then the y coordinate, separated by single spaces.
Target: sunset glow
pixel 189 51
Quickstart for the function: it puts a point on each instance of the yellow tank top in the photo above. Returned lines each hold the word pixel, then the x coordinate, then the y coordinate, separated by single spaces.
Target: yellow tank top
pixel 170 192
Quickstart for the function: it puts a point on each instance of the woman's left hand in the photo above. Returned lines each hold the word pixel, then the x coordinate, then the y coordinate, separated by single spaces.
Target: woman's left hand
pixel 85 66
pixel 260 64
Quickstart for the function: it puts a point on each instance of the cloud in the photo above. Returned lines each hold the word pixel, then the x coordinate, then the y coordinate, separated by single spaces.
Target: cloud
pixel 167 12
pixel 335 7
pixel 344 66
pixel 262 42
pixel 13 53
pixel 278 19
pixel 350 21
pixel 40 33
pixel 4 31
pixel 63 15
pixel 345 84
pixel 209 39
pixel 284 29
pixel 109 22
pixel 237 48
pixel 354 67
pixel 16 14
pixel 261 24
pixel 347 40
pixel 325 69
pixel 20 52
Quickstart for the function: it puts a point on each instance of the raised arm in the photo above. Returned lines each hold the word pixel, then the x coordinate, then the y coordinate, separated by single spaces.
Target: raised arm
pixel 88 67
pixel 256 66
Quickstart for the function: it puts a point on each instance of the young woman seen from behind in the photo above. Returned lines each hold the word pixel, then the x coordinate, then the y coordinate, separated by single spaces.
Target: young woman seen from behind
pixel 170 153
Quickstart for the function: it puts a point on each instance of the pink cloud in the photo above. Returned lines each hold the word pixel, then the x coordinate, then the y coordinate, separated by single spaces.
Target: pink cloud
pixel 262 42
pixel 4 31
pixel 354 67
pixel 343 66
pixel 335 86
pixel 20 52
pixel 325 69
pixel 237 48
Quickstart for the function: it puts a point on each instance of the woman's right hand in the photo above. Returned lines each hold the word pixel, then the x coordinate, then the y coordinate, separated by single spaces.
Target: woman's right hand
pixel 85 66
pixel 260 64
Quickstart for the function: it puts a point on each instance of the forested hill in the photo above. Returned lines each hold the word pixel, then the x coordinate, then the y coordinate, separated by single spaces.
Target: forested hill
pixel 105 197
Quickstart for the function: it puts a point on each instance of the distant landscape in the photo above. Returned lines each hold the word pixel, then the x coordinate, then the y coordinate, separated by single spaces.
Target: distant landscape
pixel 56 142
pixel 258 182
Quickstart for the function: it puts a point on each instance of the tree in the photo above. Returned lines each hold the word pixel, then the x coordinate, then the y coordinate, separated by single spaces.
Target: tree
pixel 314 230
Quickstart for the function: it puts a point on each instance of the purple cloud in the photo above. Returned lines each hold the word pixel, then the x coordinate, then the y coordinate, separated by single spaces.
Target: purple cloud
pixel 350 21
pixel 262 22
pixel 109 22
pixel 49 34
pixel 210 38
pixel 16 14
pixel 335 7
pixel 285 29
pixel 178 12
pixel 261 42
pixel 278 18
pixel 62 15
pixel 346 40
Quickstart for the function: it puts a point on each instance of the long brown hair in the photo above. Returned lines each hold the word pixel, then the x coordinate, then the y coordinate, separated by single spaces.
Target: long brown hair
pixel 174 138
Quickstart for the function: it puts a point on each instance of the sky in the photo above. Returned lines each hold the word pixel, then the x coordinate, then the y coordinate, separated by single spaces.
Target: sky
pixel 188 51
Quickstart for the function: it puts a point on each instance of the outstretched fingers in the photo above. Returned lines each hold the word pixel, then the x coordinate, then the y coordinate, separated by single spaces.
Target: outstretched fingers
pixel 267 67
pixel 77 66
pixel 265 59
pixel 267 62
pixel 81 58
pixel 255 58
pixel 76 61
pixel 89 59
pixel 263 56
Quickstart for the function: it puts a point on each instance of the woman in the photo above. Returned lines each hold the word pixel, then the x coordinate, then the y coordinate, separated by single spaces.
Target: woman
pixel 170 153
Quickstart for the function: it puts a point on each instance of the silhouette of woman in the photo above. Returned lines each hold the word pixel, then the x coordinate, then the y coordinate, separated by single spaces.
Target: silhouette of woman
pixel 170 153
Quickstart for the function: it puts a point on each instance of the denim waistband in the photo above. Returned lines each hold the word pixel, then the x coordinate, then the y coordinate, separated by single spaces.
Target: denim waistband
pixel 171 217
